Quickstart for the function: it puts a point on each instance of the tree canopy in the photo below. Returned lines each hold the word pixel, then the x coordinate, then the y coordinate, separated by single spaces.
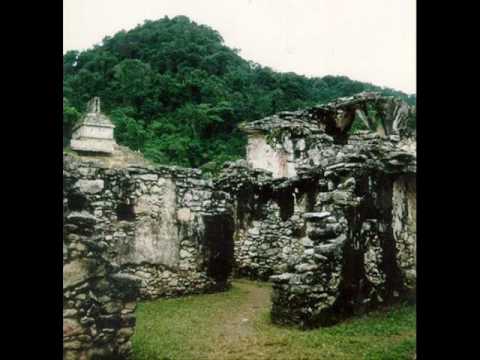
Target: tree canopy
pixel 176 93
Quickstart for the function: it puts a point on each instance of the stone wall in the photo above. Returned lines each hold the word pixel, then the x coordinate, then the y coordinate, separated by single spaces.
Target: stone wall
pixel 339 237
pixel 269 227
pixel 266 243
pixel 405 226
pixel 98 299
pixel 352 263
pixel 289 142
pixel 330 216
pixel 154 226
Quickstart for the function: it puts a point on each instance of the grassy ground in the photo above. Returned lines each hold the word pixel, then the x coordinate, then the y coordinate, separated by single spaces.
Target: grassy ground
pixel 236 325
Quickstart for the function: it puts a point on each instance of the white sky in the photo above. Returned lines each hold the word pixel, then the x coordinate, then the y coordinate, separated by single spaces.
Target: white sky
pixel 366 40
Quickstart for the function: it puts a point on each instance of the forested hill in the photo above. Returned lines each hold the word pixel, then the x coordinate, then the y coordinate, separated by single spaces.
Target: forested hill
pixel 176 92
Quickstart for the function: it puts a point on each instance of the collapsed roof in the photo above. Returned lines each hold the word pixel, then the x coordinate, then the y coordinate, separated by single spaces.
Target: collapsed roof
pixel 385 115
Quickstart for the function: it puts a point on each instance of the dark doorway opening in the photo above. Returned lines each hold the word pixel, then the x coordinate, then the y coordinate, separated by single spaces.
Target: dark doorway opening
pixel 286 203
pixel 219 237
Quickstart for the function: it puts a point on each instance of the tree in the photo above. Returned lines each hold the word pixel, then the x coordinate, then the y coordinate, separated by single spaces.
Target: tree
pixel 129 131
pixel 70 117
pixel 177 93
pixel 132 80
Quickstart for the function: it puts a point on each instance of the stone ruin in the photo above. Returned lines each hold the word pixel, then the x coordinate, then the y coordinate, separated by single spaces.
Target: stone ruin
pixel 94 131
pixel 133 231
pixel 328 215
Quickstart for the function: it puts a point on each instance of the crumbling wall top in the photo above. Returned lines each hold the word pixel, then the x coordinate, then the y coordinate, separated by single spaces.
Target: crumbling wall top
pixel 385 115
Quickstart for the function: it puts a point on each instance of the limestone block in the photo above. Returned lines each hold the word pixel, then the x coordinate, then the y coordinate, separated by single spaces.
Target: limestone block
pixel 184 215
pixel 89 186
pixel 75 273
pixel 72 327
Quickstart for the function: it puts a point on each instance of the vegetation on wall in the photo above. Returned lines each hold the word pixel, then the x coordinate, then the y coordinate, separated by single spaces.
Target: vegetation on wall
pixel 176 93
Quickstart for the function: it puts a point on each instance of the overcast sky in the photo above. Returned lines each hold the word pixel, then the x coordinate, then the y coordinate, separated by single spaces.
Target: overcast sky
pixel 366 40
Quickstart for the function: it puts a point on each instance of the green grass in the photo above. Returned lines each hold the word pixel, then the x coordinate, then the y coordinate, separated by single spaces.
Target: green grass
pixel 377 335
pixel 188 328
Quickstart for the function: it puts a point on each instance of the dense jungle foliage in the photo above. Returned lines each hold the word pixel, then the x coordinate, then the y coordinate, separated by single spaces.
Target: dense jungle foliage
pixel 176 93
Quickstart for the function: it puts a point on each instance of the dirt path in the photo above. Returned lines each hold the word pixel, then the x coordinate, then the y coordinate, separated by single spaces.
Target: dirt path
pixel 235 325
pixel 236 332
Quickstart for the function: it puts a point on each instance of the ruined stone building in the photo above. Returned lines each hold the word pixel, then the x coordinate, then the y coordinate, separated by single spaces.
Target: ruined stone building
pixel 94 132
pixel 326 213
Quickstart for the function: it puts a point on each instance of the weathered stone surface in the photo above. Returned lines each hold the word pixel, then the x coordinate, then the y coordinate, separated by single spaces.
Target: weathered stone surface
pixel 132 232
pixel 71 327
pixel 90 186
pixel 260 154
pixel 81 217
pixel 184 215
pixel 316 215
pixel 94 131
pixel 339 205
pixel 75 273
pixel 147 177
pixel 405 226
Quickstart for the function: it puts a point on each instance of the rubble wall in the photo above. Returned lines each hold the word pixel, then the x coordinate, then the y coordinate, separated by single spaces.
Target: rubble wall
pixel 264 244
pixel 98 299
pixel 361 253
pixel 148 225
pixel 405 226
pixel 358 252
pixel 338 238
